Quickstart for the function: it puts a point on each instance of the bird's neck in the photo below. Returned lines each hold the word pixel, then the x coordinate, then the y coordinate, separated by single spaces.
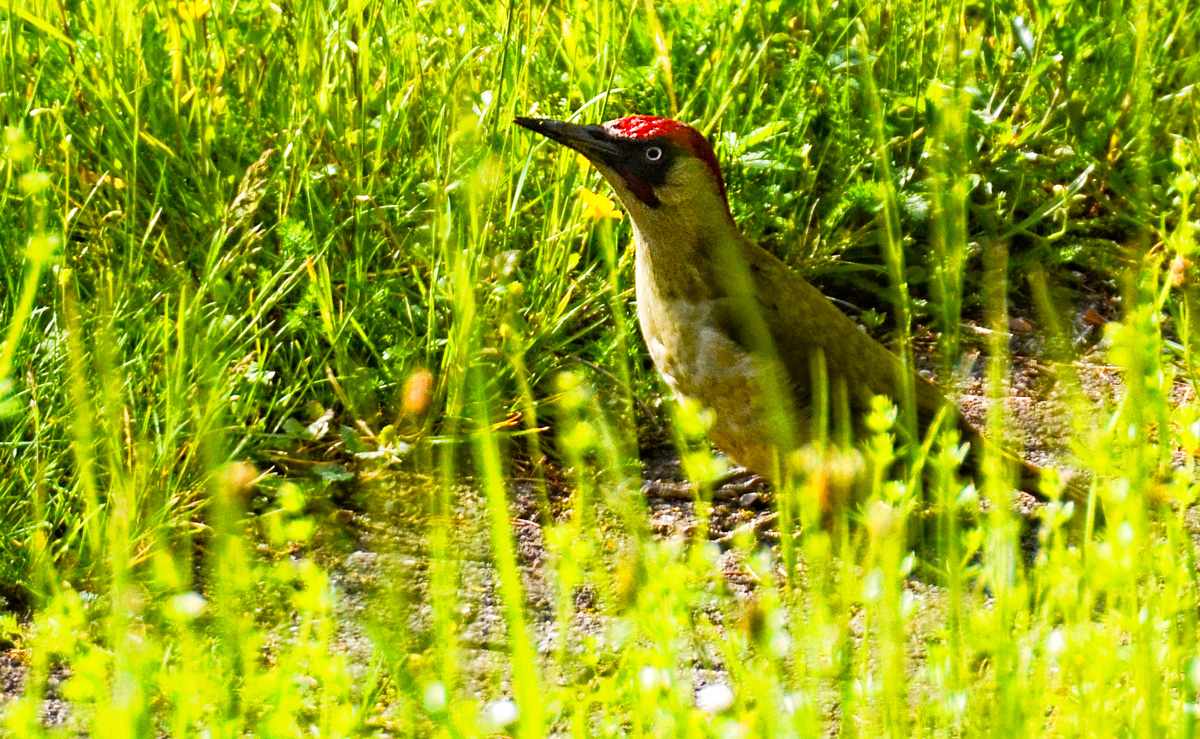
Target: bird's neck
pixel 682 258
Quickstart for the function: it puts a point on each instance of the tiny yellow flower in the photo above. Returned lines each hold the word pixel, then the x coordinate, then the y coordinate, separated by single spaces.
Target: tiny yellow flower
pixel 190 10
pixel 597 206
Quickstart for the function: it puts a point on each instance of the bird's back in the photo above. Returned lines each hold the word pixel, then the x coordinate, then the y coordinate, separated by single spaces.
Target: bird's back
pixel 803 326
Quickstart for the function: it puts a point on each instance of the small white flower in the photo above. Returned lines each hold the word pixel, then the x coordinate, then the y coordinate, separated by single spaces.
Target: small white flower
pixel 793 702
pixel 1056 643
pixel 190 604
pixel 714 698
pixel 780 644
pixel 653 678
pixel 501 713
pixel 435 697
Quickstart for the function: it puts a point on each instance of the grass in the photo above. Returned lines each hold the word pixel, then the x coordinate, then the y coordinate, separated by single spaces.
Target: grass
pixel 265 263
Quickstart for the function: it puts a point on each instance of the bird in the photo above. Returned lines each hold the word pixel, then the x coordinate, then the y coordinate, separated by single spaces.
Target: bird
pixel 729 326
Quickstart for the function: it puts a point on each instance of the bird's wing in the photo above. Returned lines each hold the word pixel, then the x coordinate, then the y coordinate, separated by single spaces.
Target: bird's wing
pixel 800 322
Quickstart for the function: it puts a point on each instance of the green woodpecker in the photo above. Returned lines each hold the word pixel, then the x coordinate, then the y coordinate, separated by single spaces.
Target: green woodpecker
pixel 728 325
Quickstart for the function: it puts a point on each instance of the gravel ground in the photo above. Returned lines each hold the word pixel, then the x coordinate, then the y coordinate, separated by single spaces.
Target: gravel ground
pixel 384 556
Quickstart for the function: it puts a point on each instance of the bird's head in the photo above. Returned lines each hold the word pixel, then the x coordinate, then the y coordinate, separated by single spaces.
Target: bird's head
pixel 663 171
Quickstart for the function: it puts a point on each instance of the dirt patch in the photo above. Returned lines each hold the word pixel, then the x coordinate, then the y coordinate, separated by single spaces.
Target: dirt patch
pixel 53 711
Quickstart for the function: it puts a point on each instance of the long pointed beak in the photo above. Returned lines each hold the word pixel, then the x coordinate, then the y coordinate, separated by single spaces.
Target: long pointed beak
pixel 591 141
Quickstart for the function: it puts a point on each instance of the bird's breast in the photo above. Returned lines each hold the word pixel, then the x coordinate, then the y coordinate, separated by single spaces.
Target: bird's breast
pixel 703 364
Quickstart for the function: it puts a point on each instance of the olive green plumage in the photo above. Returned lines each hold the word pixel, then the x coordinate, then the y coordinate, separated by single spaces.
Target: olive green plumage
pixel 729 325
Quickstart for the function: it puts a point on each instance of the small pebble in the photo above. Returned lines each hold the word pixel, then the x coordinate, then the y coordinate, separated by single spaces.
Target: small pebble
pixel 748 499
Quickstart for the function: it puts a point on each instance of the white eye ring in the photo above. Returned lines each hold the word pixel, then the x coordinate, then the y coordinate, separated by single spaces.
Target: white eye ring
pixel 654 153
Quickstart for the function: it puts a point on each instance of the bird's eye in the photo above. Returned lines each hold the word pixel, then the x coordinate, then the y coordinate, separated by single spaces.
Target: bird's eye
pixel 654 153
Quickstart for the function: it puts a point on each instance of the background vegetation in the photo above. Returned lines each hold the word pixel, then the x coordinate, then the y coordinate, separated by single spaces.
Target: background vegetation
pixel 267 263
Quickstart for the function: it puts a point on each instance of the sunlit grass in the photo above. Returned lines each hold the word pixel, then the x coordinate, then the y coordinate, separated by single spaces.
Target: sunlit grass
pixel 280 282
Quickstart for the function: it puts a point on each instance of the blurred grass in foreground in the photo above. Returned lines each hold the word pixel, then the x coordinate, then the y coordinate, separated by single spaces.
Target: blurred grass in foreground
pixel 264 263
